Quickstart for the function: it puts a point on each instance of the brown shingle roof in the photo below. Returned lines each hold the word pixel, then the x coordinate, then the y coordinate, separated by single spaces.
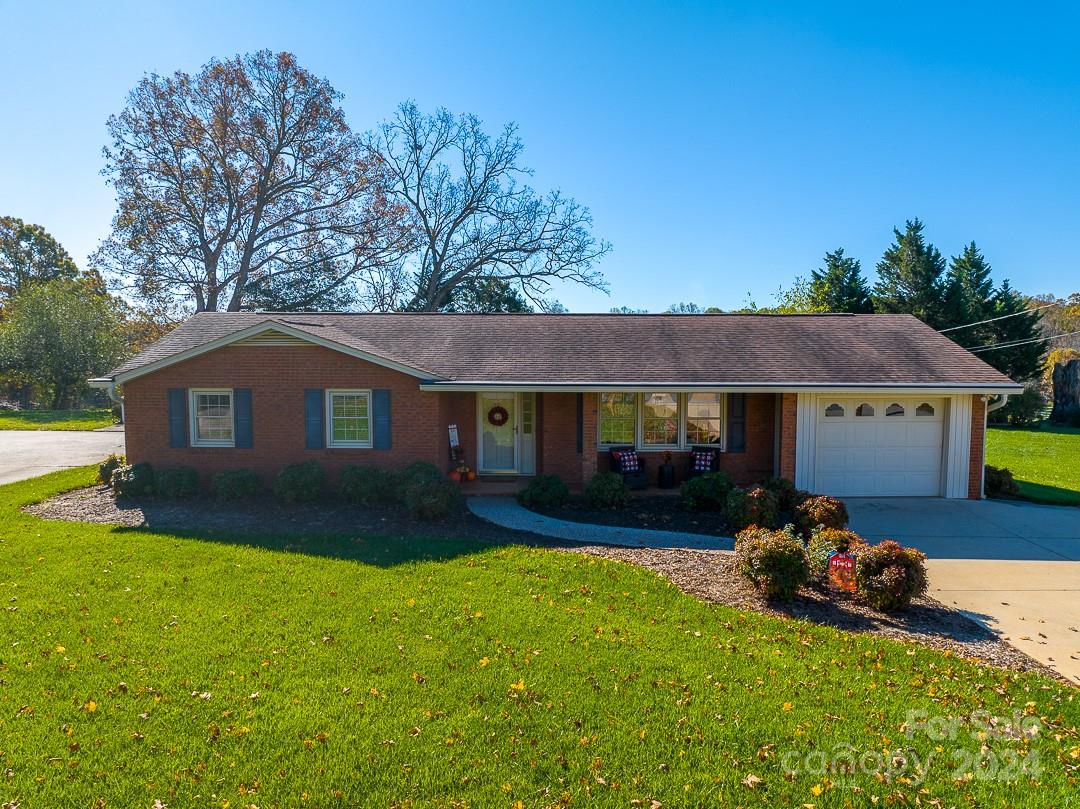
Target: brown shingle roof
pixel 769 350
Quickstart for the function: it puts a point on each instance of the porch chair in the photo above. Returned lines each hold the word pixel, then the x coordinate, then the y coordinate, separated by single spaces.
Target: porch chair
pixel 619 461
pixel 697 465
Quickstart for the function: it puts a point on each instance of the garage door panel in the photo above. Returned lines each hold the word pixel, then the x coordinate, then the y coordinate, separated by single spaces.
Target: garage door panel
pixel 880 455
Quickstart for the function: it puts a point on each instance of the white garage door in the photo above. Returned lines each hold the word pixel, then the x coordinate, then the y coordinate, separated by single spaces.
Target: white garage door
pixel 879 447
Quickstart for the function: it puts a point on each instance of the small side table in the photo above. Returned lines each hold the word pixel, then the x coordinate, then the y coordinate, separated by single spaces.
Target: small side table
pixel 665 476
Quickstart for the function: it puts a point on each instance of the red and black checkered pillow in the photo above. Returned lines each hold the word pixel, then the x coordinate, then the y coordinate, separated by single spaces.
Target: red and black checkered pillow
pixel 703 460
pixel 627 460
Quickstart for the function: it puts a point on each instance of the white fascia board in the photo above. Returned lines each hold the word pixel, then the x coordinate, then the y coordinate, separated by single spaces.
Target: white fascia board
pixel 939 388
pixel 258 328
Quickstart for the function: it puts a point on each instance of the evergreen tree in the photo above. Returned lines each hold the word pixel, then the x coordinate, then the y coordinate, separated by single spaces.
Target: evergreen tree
pixel 839 286
pixel 969 293
pixel 1020 362
pixel 909 277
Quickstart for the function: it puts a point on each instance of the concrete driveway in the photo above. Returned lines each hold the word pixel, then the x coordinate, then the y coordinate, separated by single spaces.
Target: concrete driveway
pixel 29 453
pixel 1012 566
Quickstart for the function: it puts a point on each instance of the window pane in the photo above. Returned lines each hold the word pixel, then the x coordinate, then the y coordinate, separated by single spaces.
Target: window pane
pixel 660 418
pixel 864 410
pixel 894 410
pixel 703 418
pixel 834 411
pixel 213 417
pixel 618 418
pixel 350 422
pixel 925 409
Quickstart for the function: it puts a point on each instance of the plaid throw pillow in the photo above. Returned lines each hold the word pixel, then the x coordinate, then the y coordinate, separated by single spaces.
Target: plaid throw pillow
pixel 703 460
pixel 628 461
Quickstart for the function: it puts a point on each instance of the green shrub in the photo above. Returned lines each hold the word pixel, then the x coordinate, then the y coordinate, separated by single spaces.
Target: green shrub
pixel 108 466
pixel 824 542
pixel 235 484
pixel 369 485
pixel 300 482
pixel 133 481
pixel 1000 483
pixel 788 498
pixel 708 492
pixel 177 482
pixel 821 510
pixel 607 490
pixel 754 507
pixel 432 499
pixel 417 472
pixel 774 561
pixel 890 575
pixel 544 491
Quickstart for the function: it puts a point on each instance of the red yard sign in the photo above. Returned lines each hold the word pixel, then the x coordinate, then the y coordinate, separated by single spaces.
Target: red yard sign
pixel 842 570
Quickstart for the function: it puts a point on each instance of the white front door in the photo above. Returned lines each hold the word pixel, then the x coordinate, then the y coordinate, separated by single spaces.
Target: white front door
pixel 879 447
pixel 498 430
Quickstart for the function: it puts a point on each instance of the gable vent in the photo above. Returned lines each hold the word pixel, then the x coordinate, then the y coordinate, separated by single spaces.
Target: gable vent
pixel 272 337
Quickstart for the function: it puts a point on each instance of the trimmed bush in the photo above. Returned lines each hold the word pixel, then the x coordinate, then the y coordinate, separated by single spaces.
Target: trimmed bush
pixel 788 498
pixel 417 472
pixel 544 491
pixel 177 482
pixel 890 575
pixel 708 492
pixel 824 542
pixel 235 484
pixel 369 485
pixel 821 510
pixel 607 490
pixel 431 500
pixel 108 466
pixel 300 482
pixel 754 507
pixel 133 481
pixel 1000 483
pixel 774 561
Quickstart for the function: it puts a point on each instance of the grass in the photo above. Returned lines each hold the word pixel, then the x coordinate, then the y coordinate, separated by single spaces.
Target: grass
pixel 1044 461
pixel 331 670
pixel 90 419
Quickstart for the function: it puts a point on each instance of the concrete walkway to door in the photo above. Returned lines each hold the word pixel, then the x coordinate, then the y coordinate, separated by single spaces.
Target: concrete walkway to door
pixel 1010 565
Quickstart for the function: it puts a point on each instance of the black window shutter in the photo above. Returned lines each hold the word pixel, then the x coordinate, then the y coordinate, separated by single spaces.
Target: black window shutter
pixel 380 406
pixel 580 437
pixel 242 432
pixel 314 410
pixel 736 427
pixel 178 428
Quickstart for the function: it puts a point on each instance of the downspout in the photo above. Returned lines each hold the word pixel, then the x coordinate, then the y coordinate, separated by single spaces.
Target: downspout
pixel 109 386
pixel 995 402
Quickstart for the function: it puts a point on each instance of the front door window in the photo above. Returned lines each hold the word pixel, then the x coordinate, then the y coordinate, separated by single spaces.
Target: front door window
pixel 498 430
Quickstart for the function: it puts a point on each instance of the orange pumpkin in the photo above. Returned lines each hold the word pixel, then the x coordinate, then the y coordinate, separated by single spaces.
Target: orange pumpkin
pixel 455 476
pixel 471 475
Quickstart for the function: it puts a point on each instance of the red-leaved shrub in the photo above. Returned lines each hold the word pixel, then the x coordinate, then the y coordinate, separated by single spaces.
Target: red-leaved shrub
pixel 889 575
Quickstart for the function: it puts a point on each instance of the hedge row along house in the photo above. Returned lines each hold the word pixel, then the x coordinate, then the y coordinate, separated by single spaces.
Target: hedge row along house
pixel 848 405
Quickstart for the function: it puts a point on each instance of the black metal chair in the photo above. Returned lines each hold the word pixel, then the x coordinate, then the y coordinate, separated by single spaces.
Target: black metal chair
pixel 714 463
pixel 638 479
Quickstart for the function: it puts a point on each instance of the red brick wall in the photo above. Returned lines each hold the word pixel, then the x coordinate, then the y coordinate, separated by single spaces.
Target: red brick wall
pixel 557 440
pixel 978 447
pixel 788 419
pixel 277 376
pixel 747 467
pixel 458 408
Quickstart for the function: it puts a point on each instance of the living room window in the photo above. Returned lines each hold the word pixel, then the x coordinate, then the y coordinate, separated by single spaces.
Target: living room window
pixel 212 418
pixel 618 418
pixel 348 418
pixel 661 420
pixel 703 418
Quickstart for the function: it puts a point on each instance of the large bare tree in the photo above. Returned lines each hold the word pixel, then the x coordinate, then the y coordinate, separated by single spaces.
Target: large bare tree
pixel 476 221
pixel 244 186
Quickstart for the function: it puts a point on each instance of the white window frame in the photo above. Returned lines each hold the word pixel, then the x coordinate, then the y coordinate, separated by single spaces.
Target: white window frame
pixel 193 416
pixel 639 424
pixel 330 442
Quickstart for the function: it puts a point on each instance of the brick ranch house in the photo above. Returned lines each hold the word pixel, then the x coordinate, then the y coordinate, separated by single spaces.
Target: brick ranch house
pixel 850 405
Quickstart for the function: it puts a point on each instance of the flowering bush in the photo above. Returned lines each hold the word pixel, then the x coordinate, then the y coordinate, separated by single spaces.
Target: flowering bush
pixel 890 575
pixel 708 492
pixel 754 507
pixel 821 510
pixel 775 561
pixel 824 542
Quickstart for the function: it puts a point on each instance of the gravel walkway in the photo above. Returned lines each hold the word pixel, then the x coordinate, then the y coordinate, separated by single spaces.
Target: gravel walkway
pixel 507 512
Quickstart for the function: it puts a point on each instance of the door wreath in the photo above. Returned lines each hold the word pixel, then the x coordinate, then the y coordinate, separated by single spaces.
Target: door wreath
pixel 498 416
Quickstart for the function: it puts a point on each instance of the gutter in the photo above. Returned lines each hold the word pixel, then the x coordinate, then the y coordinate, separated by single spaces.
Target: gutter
pixel 108 384
pixel 996 402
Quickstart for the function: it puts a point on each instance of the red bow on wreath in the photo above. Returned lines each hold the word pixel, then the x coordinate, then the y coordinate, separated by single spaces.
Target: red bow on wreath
pixel 498 416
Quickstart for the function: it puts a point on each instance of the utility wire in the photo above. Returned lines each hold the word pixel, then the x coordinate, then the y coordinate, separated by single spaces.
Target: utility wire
pixel 1003 317
pixel 1016 343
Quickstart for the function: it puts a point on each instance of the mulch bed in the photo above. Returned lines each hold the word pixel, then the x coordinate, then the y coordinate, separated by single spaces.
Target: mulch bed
pixel 660 513
pixel 708 575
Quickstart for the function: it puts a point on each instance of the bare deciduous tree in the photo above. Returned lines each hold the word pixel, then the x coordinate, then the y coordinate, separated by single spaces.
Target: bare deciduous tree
pixel 244 184
pixel 475 219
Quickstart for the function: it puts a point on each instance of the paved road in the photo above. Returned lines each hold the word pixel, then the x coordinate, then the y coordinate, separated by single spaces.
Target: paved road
pixel 29 453
pixel 1011 565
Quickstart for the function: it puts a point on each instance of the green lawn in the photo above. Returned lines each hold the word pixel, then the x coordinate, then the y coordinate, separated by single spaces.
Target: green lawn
pixel 56 419
pixel 1045 461
pixel 334 671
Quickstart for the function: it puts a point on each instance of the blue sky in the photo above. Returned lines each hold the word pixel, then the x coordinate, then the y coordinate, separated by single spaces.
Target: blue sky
pixel 722 148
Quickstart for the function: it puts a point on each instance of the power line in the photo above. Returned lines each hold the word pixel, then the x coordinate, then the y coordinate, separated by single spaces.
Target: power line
pixel 1016 343
pixel 1003 317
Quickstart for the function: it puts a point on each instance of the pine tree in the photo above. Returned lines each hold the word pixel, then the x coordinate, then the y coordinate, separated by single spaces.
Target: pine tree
pixel 840 286
pixel 969 293
pixel 909 277
pixel 1020 362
